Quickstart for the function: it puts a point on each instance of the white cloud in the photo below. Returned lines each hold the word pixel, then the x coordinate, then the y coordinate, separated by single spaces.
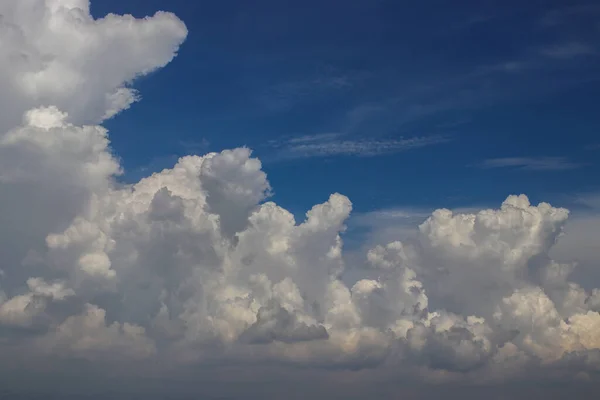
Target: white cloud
pixel 192 265
pixel 87 335
pixel 52 52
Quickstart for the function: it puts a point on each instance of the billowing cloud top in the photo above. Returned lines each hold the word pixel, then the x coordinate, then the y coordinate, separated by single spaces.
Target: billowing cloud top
pixel 194 265
pixel 53 52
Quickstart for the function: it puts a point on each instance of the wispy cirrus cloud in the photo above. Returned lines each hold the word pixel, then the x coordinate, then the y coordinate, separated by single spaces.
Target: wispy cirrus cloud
pixel 531 163
pixel 560 16
pixel 282 96
pixel 333 144
pixel 567 50
pixel 589 200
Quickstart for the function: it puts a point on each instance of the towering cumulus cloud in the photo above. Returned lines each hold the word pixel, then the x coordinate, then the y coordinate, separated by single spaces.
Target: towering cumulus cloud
pixel 193 264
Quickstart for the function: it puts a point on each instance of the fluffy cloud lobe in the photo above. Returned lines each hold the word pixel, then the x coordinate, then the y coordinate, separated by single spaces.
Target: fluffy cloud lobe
pixel 193 263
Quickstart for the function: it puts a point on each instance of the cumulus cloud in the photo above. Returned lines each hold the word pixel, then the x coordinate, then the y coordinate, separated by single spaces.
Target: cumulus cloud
pixel 193 264
pixel 53 52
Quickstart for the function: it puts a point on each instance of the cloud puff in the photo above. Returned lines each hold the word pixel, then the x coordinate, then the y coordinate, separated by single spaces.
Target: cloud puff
pixel 52 52
pixel 193 264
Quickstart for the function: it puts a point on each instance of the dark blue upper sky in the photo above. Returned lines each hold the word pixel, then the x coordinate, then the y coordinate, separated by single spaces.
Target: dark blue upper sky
pixel 393 103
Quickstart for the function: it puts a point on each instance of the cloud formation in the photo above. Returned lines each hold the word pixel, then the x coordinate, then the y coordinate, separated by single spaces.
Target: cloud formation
pixel 193 265
pixel 54 53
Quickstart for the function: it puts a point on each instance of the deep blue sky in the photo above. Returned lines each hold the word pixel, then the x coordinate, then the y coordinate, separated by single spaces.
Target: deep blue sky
pixel 486 79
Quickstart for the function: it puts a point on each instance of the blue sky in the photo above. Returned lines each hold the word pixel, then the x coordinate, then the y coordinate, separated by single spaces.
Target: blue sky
pixel 394 104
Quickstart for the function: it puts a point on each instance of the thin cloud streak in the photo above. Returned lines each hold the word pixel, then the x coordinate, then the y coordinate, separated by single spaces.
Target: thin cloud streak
pixel 568 50
pixel 531 163
pixel 327 145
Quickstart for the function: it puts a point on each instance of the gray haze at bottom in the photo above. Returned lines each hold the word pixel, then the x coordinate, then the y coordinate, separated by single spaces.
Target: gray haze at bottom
pixel 275 383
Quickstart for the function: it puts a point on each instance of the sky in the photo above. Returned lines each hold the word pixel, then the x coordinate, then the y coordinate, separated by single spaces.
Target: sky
pixel 325 199
pixel 465 103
